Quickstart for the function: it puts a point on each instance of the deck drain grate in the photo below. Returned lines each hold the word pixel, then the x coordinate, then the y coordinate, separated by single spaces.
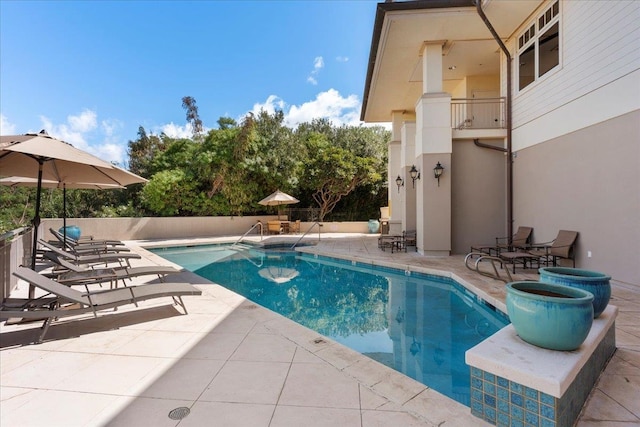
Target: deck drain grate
pixel 179 413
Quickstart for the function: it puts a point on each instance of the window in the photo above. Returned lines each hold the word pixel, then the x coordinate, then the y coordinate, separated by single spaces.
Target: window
pixel 539 47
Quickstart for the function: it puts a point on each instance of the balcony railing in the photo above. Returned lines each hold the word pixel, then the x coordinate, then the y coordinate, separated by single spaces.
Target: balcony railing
pixel 483 113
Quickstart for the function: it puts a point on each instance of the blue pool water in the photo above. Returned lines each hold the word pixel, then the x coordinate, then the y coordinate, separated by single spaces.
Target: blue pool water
pixel 420 325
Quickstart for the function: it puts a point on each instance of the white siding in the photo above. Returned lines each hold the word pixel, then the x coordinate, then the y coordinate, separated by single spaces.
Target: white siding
pixel 600 43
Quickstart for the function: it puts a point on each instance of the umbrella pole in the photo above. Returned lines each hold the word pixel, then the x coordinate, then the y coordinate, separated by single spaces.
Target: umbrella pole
pixel 64 214
pixel 36 224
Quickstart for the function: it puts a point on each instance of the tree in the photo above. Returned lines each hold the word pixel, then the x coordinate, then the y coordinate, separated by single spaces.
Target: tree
pixel 143 151
pixel 168 193
pixel 189 104
pixel 226 123
pixel 333 172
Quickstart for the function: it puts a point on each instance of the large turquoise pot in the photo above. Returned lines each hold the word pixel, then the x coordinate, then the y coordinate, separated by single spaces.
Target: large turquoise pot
pixel 73 231
pixel 374 226
pixel 592 281
pixel 551 316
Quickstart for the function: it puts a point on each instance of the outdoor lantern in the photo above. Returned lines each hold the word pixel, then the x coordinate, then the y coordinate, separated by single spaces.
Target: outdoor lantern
pixel 437 172
pixel 399 182
pixel 414 175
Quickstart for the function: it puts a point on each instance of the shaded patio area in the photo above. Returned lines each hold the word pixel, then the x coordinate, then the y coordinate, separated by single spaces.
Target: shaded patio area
pixel 234 362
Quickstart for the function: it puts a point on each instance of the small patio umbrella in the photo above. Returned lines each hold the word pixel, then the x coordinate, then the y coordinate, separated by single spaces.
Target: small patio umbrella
pixel 58 161
pixel 278 198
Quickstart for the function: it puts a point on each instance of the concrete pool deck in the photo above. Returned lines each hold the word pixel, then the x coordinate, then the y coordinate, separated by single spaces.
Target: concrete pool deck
pixel 233 363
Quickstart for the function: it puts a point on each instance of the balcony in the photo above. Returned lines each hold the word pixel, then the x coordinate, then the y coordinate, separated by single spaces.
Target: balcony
pixel 482 117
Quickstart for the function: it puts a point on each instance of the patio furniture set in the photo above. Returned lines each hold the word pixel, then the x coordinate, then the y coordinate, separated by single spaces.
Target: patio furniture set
pixel 283 227
pixel 522 252
pixel 84 263
pixel 398 242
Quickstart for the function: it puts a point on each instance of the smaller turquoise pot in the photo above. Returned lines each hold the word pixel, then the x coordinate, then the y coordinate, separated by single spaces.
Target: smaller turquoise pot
pixel 550 316
pixel 374 226
pixel 591 281
pixel 73 231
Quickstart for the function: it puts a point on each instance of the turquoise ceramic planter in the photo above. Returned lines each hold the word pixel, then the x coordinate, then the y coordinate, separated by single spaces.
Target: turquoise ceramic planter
pixel 374 226
pixel 591 281
pixel 73 231
pixel 551 316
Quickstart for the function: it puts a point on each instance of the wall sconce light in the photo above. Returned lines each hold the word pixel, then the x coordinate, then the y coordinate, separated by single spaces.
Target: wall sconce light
pixel 399 182
pixel 437 172
pixel 414 175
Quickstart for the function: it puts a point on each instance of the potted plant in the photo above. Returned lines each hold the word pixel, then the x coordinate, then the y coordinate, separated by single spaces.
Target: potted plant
pixel 591 281
pixel 551 316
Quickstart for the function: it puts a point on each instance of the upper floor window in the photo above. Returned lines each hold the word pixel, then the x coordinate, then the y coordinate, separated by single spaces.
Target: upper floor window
pixel 539 47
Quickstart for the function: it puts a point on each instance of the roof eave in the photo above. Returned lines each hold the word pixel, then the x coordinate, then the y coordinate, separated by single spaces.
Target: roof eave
pixel 381 10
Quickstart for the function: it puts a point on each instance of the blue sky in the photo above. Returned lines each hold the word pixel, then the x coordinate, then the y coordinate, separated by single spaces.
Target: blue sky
pixel 91 72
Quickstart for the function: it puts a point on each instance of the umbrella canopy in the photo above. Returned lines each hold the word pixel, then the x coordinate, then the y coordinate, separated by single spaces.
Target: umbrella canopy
pixel 278 198
pixel 21 155
pixel 41 156
pixel 23 181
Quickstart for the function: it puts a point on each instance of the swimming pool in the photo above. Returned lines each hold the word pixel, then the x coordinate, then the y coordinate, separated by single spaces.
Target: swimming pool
pixel 418 324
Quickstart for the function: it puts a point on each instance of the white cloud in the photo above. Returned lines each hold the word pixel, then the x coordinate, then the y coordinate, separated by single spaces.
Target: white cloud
pixel 84 122
pixel 83 132
pixel 272 104
pixel 65 132
pixel 330 105
pixel 173 130
pixel 318 64
pixel 6 127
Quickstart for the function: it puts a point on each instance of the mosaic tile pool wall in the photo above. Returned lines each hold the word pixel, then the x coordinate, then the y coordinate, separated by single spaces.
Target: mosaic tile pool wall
pixel 508 404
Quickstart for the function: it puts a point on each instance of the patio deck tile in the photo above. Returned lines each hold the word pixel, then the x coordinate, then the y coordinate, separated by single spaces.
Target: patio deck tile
pixel 239 364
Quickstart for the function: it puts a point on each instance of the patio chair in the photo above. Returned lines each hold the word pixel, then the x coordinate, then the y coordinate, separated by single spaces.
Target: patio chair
pixel 294 227
pixel 520 240
pixel 274 227
pixel 562 247
pixel 408 238
pixel 94 258
pixel 63 301
pixel 72 274
pixel 90 247
pixel 388 241
pixel 86 240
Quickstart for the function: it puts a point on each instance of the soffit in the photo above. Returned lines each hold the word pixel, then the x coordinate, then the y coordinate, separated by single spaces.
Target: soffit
pixel 395 81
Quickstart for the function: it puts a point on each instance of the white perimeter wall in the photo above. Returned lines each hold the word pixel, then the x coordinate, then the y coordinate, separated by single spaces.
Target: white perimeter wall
pixel 182 227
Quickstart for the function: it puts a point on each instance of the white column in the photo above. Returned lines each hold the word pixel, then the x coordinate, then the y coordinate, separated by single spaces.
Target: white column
pixel 432 67
pixel 407 159
pixel 396 205
pixel 433 145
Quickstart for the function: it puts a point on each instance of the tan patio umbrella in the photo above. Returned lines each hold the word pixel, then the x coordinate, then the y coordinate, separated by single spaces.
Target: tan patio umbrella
pixel 278 198
pixel 41 156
